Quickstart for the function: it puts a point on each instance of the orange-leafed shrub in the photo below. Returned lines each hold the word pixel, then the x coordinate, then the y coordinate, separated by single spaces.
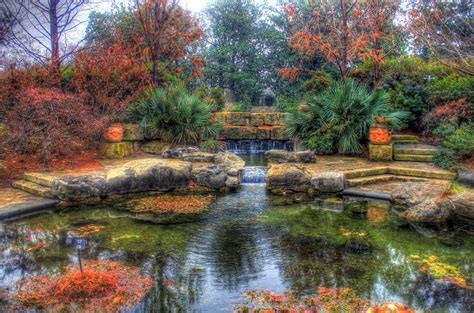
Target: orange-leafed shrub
pixel 47 121
pixel 104 286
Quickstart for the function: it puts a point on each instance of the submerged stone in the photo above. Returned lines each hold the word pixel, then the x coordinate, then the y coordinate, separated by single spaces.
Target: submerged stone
pixel 328 182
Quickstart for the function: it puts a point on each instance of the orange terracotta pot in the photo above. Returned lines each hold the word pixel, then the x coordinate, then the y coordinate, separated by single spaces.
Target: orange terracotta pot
pixel 113 134
pixel 380 134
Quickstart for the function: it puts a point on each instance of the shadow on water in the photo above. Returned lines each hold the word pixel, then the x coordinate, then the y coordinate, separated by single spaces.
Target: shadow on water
pixel 251 240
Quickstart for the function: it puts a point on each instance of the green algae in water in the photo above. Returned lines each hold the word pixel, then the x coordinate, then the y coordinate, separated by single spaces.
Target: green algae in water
pixel 247 243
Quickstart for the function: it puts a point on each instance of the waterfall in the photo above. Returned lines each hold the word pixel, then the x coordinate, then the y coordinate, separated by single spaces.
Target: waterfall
pixel 255 174
pixel 256 146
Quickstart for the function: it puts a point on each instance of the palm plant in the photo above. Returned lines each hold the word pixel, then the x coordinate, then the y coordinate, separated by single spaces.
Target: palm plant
pixel 175 116
pixel 346 109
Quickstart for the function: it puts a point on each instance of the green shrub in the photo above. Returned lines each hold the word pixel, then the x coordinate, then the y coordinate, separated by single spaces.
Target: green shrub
pixel 217 99
pixel 451 88
pixel 175 115
pixel 458 144
pixel 316 84
pixel 346 109
pixel 212 145
pixel 287 107
pixel 322 143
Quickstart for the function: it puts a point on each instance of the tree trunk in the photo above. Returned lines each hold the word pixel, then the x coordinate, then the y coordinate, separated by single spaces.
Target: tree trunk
pixel 377 45
pixel 344 40
pixel 55 60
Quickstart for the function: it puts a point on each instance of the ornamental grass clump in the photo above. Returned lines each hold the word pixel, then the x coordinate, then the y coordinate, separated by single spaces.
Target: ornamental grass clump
pixel 103 286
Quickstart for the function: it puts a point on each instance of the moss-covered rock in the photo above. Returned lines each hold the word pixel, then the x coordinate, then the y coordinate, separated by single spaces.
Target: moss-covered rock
pixel 279 133
pixel 288 177
pixel 132 132
pixel 264 132
pixel 155 147
pixel 380 152
pixel 117 150
pixel 239 132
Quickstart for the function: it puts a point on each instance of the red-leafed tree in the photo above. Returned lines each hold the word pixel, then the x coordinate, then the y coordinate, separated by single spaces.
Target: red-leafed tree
pixel 334 29
pixel 47 121
pixel 167 35
pixel 380 29
pixel 107 80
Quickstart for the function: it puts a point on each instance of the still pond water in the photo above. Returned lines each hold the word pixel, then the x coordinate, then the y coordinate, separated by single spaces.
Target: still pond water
pixel 250 240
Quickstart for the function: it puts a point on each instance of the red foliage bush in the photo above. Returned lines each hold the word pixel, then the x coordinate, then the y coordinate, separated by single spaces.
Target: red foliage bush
pixel 453 111
pixel 104 286
pixel 45 122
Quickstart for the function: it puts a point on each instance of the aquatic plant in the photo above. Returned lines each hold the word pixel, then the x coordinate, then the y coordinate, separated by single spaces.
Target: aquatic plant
pixel 103 285
pixel 442 272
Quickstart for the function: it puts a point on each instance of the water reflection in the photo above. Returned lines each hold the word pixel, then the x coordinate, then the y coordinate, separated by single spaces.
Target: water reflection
pixel 251 241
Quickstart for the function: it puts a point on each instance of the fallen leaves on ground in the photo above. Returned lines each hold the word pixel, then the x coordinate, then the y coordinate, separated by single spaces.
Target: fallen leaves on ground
pixel 348 233
pixel 103 286
pixel 89 229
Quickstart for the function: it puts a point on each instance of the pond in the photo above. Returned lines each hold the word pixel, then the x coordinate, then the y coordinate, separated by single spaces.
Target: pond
pixel 251 240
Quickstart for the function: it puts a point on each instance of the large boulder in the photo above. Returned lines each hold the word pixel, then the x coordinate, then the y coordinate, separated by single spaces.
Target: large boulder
pixel 466 177
pixel 303 157
pixel 233 166
pixel 155 147
pixel 328 182
pixel 463 204
pixel 132 132
pixel 179 152
pixel 411 193
pixel 199 157
pixel 74 188
pixel 117 150
pixel 429 211
pixel 277 156
pixel 148 175
pixel 213 177
pixel 288 177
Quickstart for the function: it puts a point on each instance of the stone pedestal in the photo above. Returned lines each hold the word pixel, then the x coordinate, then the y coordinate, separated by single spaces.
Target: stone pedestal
pixel 381 152
pixel 117 150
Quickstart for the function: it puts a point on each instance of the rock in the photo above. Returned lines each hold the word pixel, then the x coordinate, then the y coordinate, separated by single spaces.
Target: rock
pixel 303 157
pixel 155 147
pixel 411 193
pixel 220 118
pixel 429 211
pixel 264 132
pixel 463 204
pixel 257 119
pixel 229 160
pixel 238 132
pixel 117 150
pixel 132 132
pixel 151 134
pixel 71 188
pixel 148 175
pixel 239 118
pixel 233 182
pixel 328 181
pixel 380 152
pixel 288 177
pixel 466 177
pixel 274 119
pixel 199 157
pixel 277 156
pixel 279 133
pixel 213 177
pixel 179 152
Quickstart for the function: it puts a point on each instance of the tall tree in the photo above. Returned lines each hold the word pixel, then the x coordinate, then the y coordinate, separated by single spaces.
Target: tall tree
pixel 446 29
pixel 235 48
pixel 42 30
pixel 167 34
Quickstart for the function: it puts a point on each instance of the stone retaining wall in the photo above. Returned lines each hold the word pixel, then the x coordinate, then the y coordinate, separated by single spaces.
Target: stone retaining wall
pixel 237 126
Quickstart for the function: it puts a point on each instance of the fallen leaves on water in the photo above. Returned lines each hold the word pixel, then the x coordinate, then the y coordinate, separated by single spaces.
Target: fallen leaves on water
pixel 326 300
pixel 187 204
pixel 348 233
pixel 103 286
pixel 442 272
pixel 89 229
pixel 38 246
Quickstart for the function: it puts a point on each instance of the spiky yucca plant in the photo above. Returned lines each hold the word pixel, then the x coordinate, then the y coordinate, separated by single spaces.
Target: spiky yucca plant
pixel 347 109
pixel 175 116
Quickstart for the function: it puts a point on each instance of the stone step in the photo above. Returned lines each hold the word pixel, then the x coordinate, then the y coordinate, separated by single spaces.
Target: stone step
pixel 407 141
pixel 381 178
pixel 413 158
pixel 414 151
pixel 40 179
pixel 364 172
pixel 33 188
pixel 424 173
pixel 404 137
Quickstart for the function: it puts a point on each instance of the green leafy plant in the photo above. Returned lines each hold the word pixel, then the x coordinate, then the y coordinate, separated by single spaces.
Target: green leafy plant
pixel 322 142
pixel 457 145
pixel 212 145
pixel 175 116
pixel 347 109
